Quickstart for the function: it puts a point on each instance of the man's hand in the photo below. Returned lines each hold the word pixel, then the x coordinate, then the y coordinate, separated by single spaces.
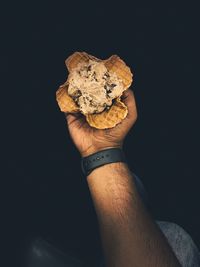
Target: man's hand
pixel 129 235
pixel 89 140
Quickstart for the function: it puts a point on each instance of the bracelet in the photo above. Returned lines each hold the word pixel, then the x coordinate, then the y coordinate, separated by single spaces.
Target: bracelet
pixel 100 158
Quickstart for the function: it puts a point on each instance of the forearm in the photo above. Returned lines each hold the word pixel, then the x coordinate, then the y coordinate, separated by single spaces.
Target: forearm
pixel 129 235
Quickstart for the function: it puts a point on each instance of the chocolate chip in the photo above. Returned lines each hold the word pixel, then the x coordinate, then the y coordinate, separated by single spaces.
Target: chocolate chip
pixel 78 93
pixel 84 100
pixel 89 68
pixel 94 76
pixel 106 75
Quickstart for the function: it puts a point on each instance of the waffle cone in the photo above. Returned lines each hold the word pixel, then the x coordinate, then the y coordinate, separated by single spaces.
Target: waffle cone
pixel 118 111
pixel 78 57
pixel 108 118
pixel 65 102
pixel 113 64
pixel 117 65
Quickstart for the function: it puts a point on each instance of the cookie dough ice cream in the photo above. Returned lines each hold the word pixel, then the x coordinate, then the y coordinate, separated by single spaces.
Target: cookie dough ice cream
pixel 93 87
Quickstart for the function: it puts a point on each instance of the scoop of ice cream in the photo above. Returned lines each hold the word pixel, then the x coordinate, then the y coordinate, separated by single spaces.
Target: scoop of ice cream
pixel 93 87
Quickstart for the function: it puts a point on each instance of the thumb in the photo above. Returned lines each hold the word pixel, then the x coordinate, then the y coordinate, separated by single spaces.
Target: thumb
pixel 75 119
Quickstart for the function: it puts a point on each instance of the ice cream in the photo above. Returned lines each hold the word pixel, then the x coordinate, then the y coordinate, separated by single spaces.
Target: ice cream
pixel 93 87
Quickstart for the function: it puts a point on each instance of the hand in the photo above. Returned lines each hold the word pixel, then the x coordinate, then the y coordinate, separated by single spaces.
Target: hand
pixel 89 140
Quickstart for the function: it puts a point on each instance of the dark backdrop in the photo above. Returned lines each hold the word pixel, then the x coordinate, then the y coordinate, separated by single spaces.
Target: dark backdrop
pixel 44 191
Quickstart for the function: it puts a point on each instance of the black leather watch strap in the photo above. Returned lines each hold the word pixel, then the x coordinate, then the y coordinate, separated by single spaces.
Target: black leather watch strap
pixel 100 158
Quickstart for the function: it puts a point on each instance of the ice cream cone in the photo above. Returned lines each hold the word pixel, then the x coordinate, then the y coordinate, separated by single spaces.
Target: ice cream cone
pixel 65 102
pixel 118 111
pixel 110 118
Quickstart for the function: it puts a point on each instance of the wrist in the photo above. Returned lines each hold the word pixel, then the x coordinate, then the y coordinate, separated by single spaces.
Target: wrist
pixel 94 149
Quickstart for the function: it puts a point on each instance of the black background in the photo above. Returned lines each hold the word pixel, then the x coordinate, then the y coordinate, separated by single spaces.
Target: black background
pixel 44 191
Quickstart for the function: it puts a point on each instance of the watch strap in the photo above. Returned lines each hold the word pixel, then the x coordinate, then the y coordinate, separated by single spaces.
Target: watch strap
pixel 102 157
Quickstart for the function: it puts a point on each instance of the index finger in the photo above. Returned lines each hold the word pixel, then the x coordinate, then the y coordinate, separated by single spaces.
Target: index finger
pixel 129 100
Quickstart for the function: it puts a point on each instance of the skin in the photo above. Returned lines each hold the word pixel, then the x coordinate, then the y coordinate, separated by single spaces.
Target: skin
pixel 89 140
pixel 130 237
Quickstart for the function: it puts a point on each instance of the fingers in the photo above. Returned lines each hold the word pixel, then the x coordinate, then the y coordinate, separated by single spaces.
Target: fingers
pixel 78 120
pixel 74 118
pixel 71 117
pixel 129 100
